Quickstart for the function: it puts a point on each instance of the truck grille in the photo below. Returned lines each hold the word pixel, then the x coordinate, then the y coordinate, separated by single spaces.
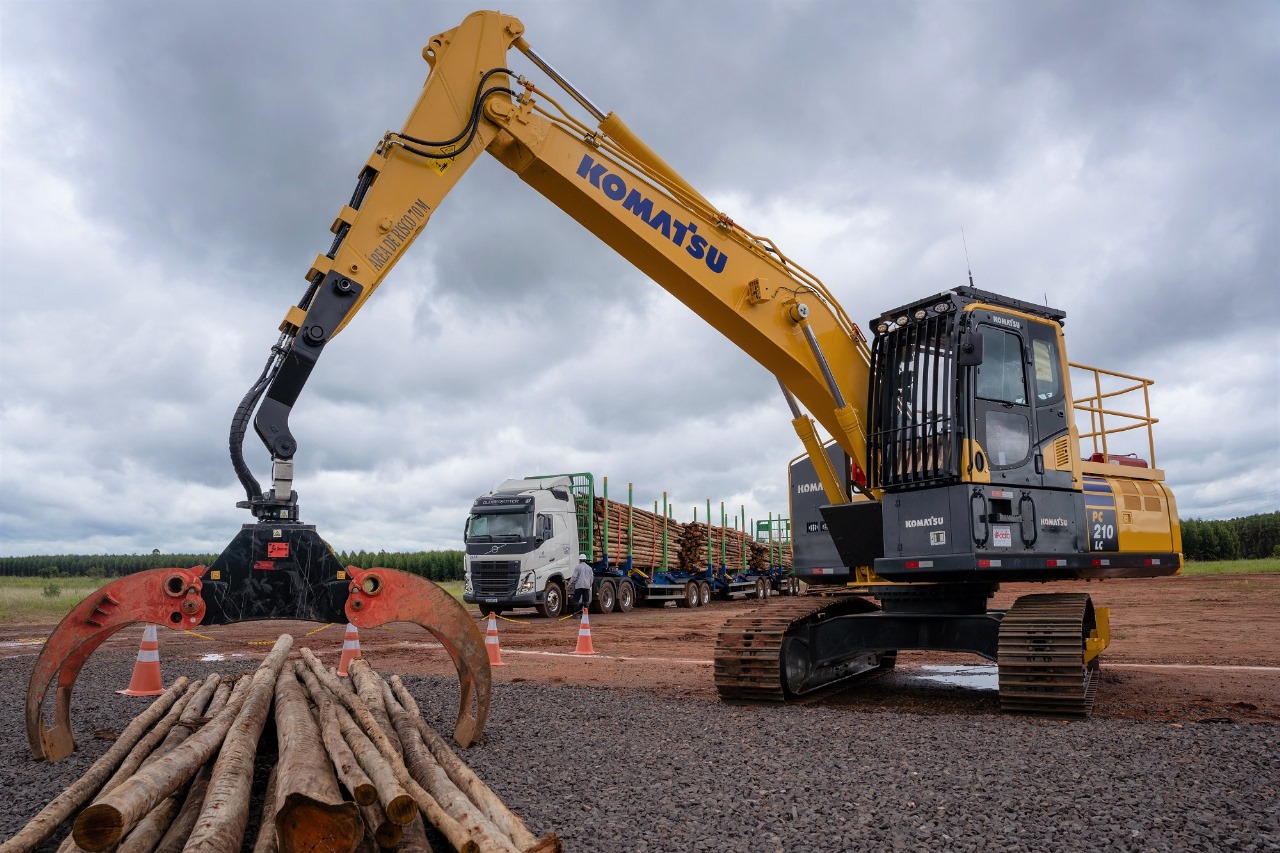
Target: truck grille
pixel 495 577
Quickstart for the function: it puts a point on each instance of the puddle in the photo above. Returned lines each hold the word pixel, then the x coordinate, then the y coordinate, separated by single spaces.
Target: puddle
pixel 975 677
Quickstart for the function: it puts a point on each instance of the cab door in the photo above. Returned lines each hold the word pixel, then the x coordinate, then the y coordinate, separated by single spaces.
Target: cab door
pixel 1002 409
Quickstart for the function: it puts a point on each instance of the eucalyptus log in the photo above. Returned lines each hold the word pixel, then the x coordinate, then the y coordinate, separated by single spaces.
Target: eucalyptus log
pixel 104 823
pixel 189 721
pixel 309 811
pixel 467 781
pixel 151 828
pixel 175 838
pixel 60 808
pixel 350 774
pixel 396 801
pixel 267 841
pixel 386 833
pixel 428 773
pixel 439 818
pixel 226 806
pixel 388 793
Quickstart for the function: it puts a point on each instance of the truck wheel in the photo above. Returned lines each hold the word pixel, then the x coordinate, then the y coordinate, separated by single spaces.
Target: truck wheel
pixel 603 600
pixel 795 586
pixel 704 594
pixel 626 597
pixel 690 597
pixel 761 586
pixel 552 601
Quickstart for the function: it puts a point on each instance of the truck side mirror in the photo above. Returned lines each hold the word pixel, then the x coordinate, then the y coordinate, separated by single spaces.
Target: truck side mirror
pixel 970 350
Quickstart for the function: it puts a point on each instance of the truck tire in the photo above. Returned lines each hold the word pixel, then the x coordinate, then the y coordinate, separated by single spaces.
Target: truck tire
pixel 552 605
pixel 604 599
pixel 704 594
pixel 795 585
pixel 626 597
pixel 691 596
pixel 762 587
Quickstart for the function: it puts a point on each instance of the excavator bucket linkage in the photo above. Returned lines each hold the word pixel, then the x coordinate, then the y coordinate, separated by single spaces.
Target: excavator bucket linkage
pixel 267 572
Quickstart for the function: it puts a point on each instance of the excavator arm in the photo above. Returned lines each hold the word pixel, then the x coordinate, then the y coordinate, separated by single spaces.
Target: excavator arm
pixel 614 186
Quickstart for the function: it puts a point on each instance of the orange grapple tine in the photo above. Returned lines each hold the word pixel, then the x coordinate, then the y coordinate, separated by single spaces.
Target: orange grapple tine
pixel 169 597
pixel 379 596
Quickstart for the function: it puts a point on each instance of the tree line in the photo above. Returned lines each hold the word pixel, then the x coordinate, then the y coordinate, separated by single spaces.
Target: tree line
pixel 1249 538
pixel 432 565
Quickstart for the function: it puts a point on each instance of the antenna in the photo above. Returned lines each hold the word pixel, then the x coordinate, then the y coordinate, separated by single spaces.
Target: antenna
pixel 968 265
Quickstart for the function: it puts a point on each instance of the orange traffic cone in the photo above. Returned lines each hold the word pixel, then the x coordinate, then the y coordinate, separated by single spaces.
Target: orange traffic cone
pixel 146 672
pixel 350 649
pixel 584 636
pixel 491 642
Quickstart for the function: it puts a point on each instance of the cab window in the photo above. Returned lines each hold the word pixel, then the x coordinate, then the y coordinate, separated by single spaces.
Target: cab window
pixel 1001 376
pixel 1048 368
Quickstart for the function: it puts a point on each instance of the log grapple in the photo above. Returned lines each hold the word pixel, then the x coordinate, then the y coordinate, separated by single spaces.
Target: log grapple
pixel 269 571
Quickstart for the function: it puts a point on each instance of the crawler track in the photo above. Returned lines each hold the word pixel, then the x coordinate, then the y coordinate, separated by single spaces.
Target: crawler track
pixel 1041 660
pixel 749 648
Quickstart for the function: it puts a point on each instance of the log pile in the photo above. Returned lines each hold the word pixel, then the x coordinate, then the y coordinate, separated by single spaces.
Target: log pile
pixel 357 768
pixel 645 535
pixel 693 547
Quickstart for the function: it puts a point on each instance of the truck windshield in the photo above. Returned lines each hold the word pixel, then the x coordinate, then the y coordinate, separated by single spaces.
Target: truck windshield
pixel 499 527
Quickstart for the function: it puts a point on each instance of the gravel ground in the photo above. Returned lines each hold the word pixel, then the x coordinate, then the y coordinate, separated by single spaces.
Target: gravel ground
pixel 619 770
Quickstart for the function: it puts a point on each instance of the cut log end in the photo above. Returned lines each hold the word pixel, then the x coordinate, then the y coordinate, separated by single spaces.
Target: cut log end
pixel 304 824
pixel 401 809
pixel 98 827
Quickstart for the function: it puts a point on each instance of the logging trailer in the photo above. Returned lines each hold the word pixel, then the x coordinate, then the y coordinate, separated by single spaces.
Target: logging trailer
pixel 957 417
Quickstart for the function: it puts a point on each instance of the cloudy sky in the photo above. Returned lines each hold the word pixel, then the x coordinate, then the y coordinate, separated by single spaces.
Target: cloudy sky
pixel 169 170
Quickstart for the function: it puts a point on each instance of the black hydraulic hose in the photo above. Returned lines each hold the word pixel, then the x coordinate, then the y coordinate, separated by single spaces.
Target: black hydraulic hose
pixel 240 424
pixel 476 105
pixel 470 135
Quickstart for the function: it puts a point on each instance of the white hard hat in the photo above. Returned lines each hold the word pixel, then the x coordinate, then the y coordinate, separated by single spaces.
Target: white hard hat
pixel 582 557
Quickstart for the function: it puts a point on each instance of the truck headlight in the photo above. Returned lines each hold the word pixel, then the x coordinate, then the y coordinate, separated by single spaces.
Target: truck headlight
pixel 526 583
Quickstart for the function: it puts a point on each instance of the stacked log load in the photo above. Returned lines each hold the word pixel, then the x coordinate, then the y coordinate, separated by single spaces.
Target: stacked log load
pixel 358 768
pixel 644 537
pixel 693 548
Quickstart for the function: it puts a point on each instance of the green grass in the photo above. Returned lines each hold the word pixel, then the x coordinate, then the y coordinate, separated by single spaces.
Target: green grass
pixel 23 602
pixel 1269 565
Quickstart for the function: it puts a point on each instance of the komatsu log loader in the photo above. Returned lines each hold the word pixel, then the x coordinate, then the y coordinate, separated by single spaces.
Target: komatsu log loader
pixel 957 419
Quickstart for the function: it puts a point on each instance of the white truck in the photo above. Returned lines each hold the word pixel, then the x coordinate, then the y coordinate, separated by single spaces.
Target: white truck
pixel 522 542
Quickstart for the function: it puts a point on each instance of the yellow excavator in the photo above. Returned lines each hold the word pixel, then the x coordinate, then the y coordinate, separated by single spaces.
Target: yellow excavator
pixel 956 417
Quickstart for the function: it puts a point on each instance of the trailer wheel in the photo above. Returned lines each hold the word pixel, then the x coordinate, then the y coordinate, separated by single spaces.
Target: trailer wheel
pixel 704 594
pixel 626 597
pixel 691 595
pixel 795 585
pixel 603 600
pixel 761 586
pixel 552 601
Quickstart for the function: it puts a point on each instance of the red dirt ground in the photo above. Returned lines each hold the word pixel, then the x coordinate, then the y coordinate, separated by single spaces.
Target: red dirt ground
pixel 1184 649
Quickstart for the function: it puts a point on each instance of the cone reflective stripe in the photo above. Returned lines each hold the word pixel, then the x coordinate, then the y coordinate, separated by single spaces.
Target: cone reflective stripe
pixel 146 672
pixel 584 637
pixel 491 642
pixel 350 649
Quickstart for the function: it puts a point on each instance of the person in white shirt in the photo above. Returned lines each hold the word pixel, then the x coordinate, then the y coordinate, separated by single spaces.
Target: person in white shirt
pixel 581 583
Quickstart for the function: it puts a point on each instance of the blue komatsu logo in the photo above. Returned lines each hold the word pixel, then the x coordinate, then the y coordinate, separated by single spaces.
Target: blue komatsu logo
pixel 615 189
